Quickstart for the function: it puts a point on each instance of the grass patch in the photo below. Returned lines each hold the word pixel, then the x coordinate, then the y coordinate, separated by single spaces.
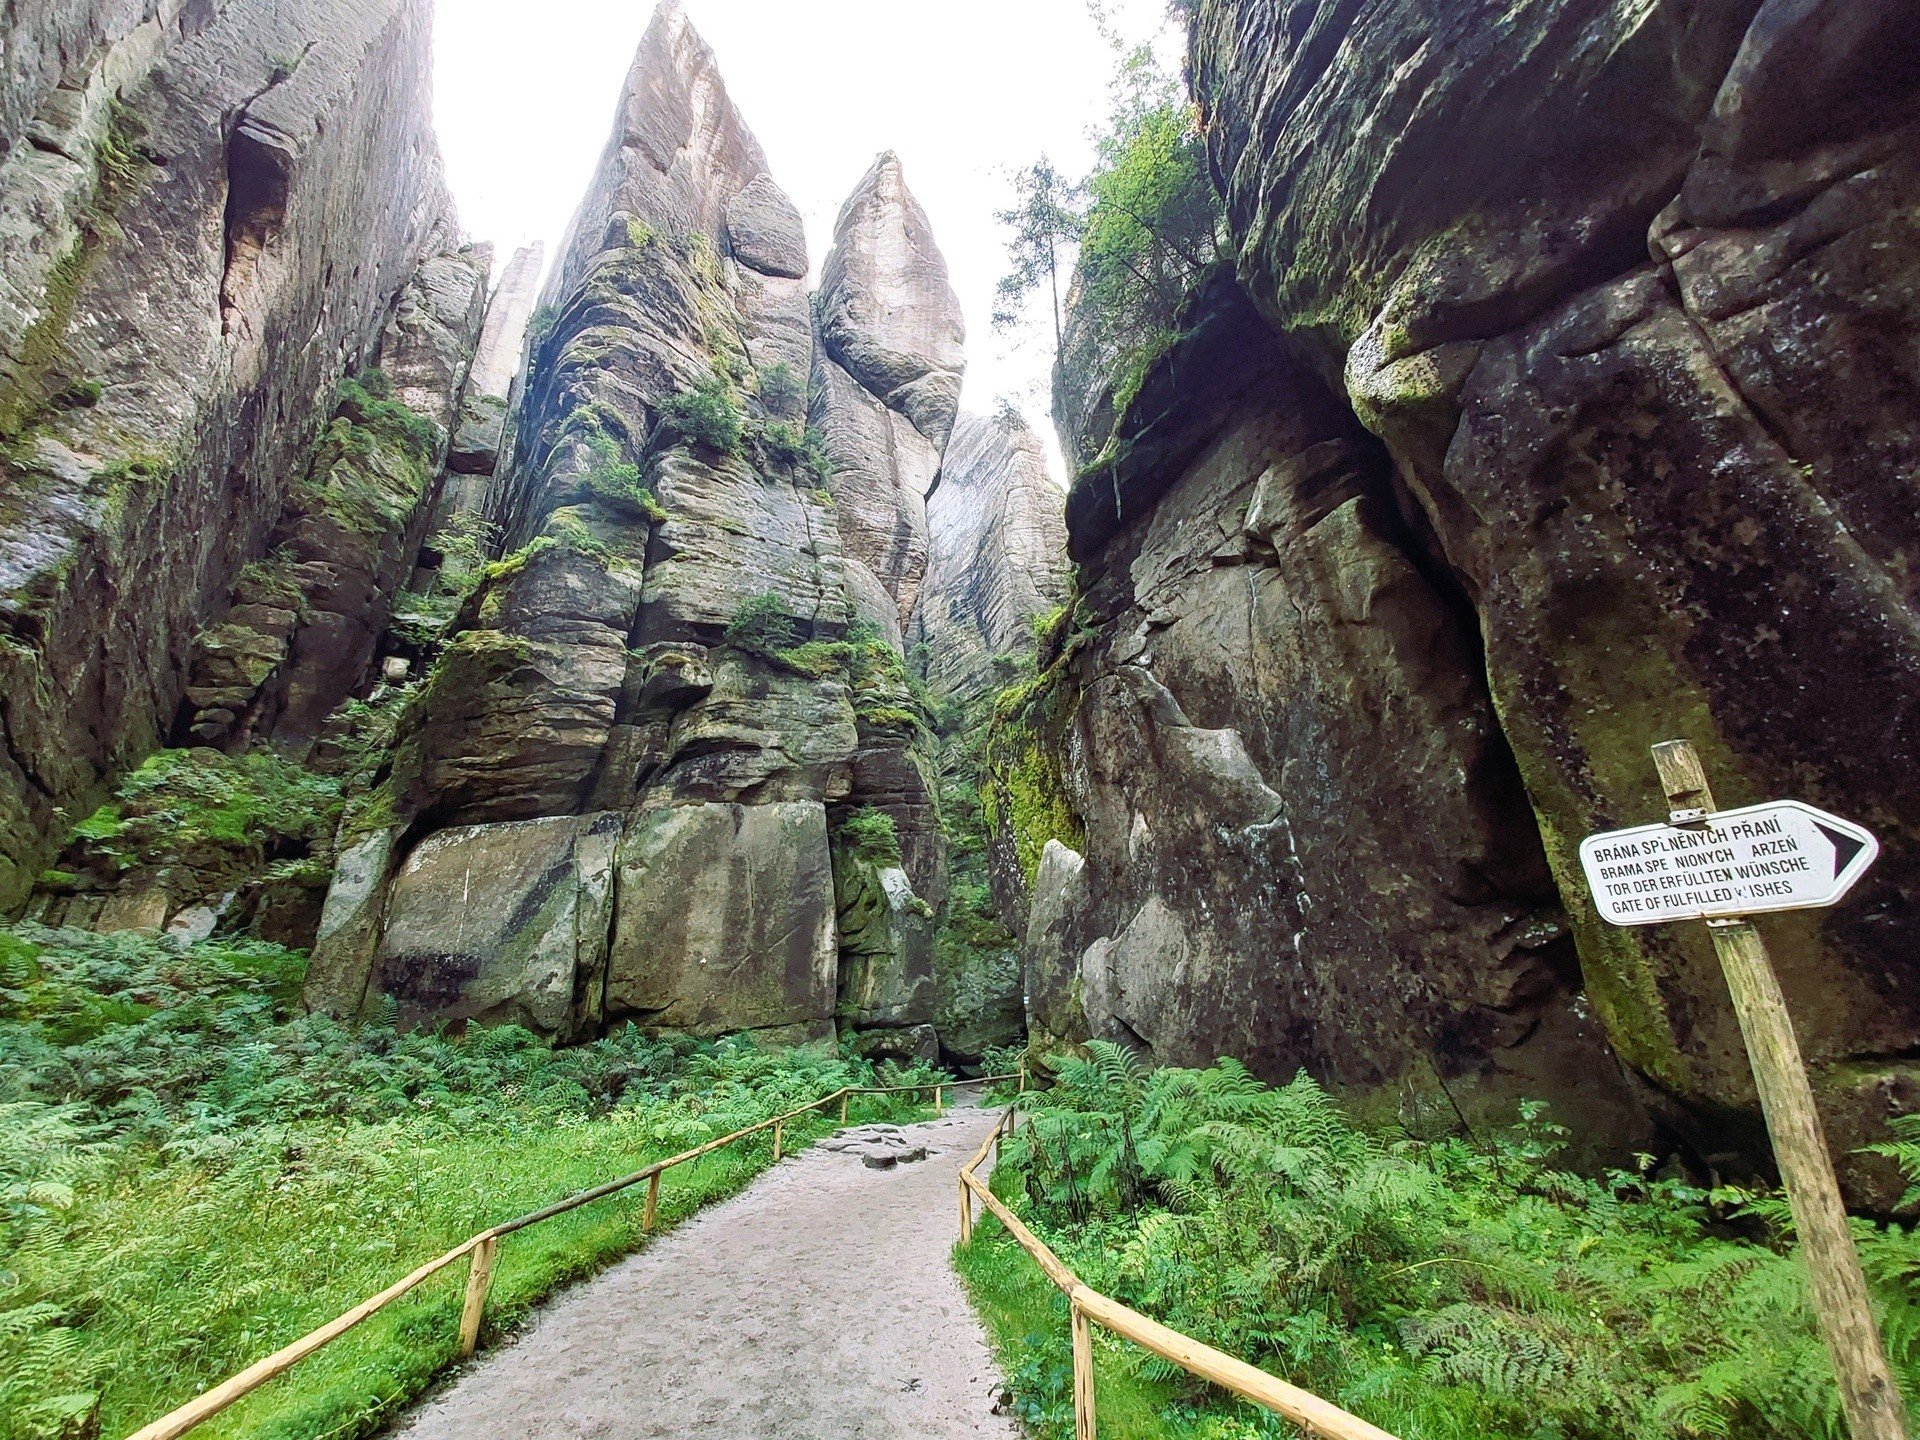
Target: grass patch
pixel 1027 1322
pixel 193 1173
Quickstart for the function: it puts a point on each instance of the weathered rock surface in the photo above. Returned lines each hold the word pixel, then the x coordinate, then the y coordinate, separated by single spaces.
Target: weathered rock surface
pixel 304 624
pixel 668 644
pixel 887 375
pixel 886 946
pixel 156 389
pixel 725 921
pixel 502 923
pixel 1305 842
pixel 997 557
pixel 1627 299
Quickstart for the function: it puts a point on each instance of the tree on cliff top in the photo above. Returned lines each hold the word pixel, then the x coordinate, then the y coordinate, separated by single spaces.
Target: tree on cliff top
pixel 1145 223
pixel 1044 222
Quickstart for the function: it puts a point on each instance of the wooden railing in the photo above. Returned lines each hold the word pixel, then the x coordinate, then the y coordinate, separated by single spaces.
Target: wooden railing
pixel 479 1250
pixel 1089 1307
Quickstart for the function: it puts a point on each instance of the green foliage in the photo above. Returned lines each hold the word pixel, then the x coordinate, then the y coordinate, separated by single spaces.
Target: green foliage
pixel 707 415
pixel 180 802
pixel 781 386
pixel 1443 1289
pixel 193 1172
pixel 871 835
pixel 1043 224
pixel 614 480
pixel 540 325
pixel 763 626
pixel 1025 786
pixel 1144 225
pixel 788 444
pixel 367 400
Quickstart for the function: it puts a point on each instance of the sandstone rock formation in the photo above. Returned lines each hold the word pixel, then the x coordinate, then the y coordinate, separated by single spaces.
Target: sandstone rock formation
pixel 157 390
pixel 997 555
pixel 887 376
pixel 1625 303
pixel 669 692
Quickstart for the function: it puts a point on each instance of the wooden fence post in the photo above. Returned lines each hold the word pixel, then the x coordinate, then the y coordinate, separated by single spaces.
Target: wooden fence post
pixel 966 1213
pixel 653 1202
pixel 776 1139
pixel 1023 1075
pixel 937 1107
pixel 1083 1421
pixel 843 1109
pixel 479 1281
pixel 1867 1391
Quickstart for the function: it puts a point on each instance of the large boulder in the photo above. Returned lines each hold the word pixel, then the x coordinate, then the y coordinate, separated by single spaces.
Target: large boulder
pixel 886 946
pixel 498 923
pixel 724 922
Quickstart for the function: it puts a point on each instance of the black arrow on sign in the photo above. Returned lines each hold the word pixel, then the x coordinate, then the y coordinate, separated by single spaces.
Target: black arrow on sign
pixel 1845 847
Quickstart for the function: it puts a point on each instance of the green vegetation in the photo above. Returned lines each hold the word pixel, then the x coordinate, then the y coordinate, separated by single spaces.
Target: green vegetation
pixel 871 835
pixel 1025 787
pixel 787 444
pixel 200 807
pixel 194 1173
pixel 374 459
pixel 1145 225
pixel 763 626
pixel 884 695
pixel 367 400
pixel 707 415
pixel 781 386
pixel 614 480
pixel 1440 1287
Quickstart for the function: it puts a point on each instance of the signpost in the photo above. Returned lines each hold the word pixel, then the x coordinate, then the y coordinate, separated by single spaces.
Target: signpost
pixel 1720 866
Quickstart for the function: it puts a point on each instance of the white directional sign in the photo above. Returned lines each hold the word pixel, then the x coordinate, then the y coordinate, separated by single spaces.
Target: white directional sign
pixel 1778 856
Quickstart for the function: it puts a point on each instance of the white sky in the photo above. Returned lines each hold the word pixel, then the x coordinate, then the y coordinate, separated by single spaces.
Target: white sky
pixel 964 92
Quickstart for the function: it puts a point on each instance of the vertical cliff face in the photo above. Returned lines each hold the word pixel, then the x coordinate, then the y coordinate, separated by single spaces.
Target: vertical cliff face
pixel 665 700
pixel 1623 304
pixel 997 555
pixel 996 565
pixel 886 381
pixel 207 214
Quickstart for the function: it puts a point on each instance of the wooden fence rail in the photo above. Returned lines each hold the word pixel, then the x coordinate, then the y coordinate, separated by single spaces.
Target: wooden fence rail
pixel 1090 1307
pixel 480 1251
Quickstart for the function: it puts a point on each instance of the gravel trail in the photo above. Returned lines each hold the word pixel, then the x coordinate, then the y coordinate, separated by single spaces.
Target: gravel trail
pixel 817 1304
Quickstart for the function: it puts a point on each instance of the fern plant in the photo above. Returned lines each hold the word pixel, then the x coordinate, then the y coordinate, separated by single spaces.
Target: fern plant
pixel 1444 1288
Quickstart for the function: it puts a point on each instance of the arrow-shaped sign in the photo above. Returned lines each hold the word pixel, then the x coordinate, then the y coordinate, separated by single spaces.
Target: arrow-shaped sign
pixel 1779 856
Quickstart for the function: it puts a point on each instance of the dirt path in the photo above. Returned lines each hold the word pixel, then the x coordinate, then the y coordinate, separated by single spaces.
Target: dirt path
pixel 817 1304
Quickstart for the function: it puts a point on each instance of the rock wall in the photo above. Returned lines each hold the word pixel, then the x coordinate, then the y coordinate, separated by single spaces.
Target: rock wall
pixel 1624 301
pixel 996 563
pixel 671 693
pixel 997 556
pixel 212 214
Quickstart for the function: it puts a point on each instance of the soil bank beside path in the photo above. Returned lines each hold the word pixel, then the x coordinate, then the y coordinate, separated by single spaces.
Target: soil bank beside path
pixel 817 1304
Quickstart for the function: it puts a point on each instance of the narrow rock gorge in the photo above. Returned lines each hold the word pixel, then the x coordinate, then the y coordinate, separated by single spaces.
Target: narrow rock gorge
pixel 647 635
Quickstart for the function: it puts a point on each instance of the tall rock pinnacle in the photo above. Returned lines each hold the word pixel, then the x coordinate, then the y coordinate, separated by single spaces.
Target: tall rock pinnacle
pixel 887 377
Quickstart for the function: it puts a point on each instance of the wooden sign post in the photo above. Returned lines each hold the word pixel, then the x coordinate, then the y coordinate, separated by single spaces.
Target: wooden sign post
pixel 1867 1391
